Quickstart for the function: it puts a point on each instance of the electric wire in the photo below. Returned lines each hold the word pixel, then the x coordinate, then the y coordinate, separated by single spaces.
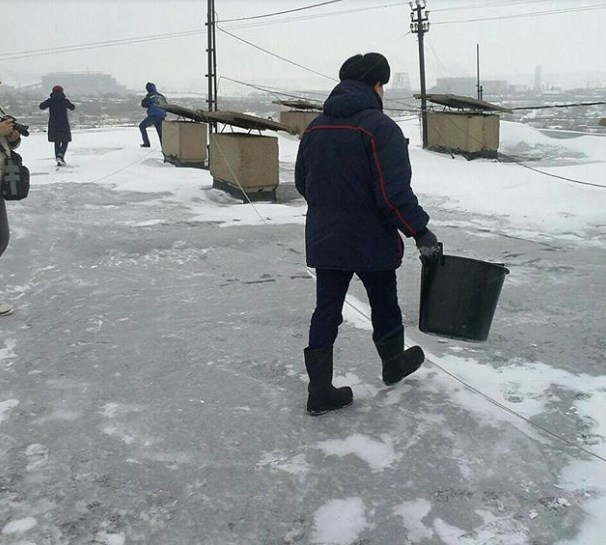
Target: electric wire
pixel 557 106
pixel 500 3
pixel 318 15
pixel 97 45
pixel 280 12
pixel 275 93
pixel 565 178
pixel 592 7
pixel 512 159
pixel 303 96
pixel 275 54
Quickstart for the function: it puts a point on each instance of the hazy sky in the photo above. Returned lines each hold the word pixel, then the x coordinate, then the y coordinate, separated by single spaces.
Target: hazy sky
pixel 510 45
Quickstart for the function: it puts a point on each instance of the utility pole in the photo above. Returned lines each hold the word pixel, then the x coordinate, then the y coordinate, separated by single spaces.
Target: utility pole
pixel 419 25
pixel 478 86
pixel 212 57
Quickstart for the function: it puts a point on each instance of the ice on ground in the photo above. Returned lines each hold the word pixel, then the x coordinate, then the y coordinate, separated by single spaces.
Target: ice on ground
pixel 339 522
pixel 19 526
pixel 6 406
pixel 378 454
pixel 413 513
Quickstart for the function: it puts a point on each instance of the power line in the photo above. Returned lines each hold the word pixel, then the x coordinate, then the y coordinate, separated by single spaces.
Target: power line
pixel 514 160
pixel 497 4
pixel 592 7
pixel 558 106
pixel 277 94
pixel 275 54
pixel 95 45
pixel 280 12
pixel 301 96
pixel 319 15
pixel 565 178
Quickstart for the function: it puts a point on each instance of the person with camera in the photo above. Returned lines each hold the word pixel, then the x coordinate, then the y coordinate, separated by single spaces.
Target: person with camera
pixel 58 123
pixel 9 139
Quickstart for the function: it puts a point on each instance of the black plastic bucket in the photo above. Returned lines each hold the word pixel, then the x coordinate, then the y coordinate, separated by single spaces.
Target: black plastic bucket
pixel 459 296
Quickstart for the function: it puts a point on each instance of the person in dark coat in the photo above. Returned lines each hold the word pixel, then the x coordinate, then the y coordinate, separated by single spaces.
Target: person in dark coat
pixel 155 114
pixel 58 123
pixel 353 169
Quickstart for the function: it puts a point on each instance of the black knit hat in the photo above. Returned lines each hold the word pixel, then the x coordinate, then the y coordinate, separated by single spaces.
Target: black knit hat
pixel 371 68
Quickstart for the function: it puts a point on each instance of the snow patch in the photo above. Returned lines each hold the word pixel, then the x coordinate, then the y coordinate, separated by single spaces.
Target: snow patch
pixel 522 386
pixel 6 406
pixel 377 454
pixel 339 522
pixel 8 352
pixel 19 526
pixel 587 479
pixel 413 513
pixel 104 538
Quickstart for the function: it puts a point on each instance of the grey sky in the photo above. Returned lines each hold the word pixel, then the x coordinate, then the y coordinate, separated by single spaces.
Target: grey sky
pixel 565 43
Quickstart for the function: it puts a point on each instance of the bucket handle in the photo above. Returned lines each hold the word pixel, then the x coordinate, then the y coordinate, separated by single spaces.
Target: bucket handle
pixel 430 262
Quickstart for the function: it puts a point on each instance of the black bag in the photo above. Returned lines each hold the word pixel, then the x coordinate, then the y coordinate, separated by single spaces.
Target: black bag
pixel 15 180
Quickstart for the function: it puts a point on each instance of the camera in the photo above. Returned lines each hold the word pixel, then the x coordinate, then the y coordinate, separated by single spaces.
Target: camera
pixel 23 130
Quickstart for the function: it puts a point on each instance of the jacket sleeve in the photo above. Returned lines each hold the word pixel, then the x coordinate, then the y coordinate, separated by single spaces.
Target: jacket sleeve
pixel 145 102
pixel 14 144
pixel 10 145
pixel 45 104
pixel 392 175
pixel 300 169
pixel 69 105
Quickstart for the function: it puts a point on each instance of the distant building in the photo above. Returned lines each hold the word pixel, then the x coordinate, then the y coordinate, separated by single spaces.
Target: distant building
pixel 401 80
pixel 538 84
pixel 399 87
pixel 84 83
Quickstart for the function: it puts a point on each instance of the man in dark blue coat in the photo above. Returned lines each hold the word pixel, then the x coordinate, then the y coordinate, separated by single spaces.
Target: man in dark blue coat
pixel 353 170
pixel 155 114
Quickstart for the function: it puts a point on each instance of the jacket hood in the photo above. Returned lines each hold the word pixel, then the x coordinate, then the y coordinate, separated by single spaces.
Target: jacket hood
pixel 150 87
pixel 350 97
pixel 57 95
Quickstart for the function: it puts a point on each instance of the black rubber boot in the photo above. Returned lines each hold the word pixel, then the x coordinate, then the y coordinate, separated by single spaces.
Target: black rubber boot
pixel 397 362
pixel 323 396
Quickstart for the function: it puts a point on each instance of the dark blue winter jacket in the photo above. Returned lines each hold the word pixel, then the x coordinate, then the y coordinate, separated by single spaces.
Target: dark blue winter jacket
pixel 354 172
pixel 151 101
pixel 58 122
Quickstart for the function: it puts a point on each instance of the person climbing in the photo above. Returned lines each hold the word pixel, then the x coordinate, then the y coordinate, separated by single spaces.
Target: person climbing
pixel 155 115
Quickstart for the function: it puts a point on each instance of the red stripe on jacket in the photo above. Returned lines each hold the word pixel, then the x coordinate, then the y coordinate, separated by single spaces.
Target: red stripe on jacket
pixel 378 164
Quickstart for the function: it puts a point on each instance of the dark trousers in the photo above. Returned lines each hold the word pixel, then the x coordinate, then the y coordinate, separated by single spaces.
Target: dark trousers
pixel 4 231
pixel 331 289
pixel 60 149
pixel 148 122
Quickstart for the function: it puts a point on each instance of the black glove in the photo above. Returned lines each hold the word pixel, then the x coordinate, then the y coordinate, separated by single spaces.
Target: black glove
pixel 428 245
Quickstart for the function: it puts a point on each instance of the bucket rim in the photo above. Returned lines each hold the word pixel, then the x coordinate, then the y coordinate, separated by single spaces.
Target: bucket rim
pixel 478 261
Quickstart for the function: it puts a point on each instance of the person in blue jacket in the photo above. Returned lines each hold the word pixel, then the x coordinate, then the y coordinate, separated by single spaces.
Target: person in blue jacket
pixel 353 170
pixel 155 114
pixel 59 131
